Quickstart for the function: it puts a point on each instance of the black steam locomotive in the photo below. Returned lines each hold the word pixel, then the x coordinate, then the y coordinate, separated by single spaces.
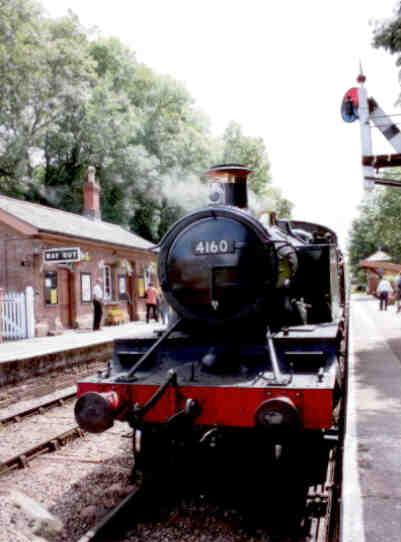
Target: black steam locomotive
pixel 257 345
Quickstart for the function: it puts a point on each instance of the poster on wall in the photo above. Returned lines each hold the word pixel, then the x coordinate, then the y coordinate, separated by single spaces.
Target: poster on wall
pixel 140 287
pixel 122 284
pixel 86 287
pixel 53 297
pixel 122 287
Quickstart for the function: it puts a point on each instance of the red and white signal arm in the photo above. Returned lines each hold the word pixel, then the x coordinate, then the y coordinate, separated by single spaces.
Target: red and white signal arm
pixel 349 105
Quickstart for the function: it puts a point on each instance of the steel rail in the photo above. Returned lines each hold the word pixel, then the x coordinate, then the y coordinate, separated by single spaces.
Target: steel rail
pixel 321 503
pixel 102 530
pixel 50 445
pixel 40 408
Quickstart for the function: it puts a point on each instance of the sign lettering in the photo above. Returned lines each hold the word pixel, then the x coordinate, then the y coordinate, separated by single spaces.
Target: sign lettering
pixel 223 246
pixel 62 255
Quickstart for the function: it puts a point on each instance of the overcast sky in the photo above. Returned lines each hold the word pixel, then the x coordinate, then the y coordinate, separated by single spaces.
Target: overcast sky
pixel 280 68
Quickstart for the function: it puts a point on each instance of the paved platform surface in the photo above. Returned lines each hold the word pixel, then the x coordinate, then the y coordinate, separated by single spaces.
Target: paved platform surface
pixel 40 346
pixel 372 470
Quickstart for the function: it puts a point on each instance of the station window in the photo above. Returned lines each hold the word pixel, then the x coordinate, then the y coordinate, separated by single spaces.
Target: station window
pixel 50 289
pixel 86 287
pixel 107 283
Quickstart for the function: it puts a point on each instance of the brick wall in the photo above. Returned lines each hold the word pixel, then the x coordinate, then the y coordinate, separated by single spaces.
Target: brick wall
pixel 15 371
pixel 21 265
pixel 16 260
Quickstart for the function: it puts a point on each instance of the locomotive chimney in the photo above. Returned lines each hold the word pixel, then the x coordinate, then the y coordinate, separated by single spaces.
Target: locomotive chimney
pixel 228 185
pixel 91 195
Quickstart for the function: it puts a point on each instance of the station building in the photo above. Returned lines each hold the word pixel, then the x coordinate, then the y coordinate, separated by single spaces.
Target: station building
pixel 378 265
pixel 62 255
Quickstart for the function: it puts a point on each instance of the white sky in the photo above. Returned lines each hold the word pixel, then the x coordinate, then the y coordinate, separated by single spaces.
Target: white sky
pixel 280 68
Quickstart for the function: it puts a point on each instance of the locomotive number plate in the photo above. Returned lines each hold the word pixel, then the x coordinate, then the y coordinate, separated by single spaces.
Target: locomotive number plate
pixel 202 248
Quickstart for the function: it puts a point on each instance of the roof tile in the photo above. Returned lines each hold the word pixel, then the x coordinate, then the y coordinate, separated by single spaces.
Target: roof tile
pixel 47 219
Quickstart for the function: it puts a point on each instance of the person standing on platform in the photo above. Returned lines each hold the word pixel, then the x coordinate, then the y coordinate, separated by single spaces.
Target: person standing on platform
pixel 163 308
pixel 398 291
pixel 97 305
pixel 384 289
pixel 151 303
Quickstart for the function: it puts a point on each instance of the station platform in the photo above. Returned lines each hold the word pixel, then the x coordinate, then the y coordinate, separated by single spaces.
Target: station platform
pixel 371 500
pixel 40 346
pixel 32 357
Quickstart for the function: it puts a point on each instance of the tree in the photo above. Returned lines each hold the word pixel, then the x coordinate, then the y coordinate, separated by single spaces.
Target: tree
pixel 387 34
pixel 363 235
pixel 378 226
pixel 251 151
pixel 136 128
pixel 45 69
pixel 67 102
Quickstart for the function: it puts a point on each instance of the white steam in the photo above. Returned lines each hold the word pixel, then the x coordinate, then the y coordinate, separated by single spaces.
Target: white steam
pixel 187 191
pixel 190 193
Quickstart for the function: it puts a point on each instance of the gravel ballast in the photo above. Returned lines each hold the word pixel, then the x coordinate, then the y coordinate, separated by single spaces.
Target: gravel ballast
pixel 77 484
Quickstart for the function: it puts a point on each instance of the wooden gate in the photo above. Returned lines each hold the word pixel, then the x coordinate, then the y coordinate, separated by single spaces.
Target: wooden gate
pixel 17 315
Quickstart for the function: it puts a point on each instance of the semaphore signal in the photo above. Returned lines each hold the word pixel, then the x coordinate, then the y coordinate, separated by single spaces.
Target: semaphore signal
pixel 357 106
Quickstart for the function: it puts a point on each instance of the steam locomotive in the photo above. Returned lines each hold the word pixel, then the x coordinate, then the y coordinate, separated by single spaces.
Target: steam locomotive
pixel 256 352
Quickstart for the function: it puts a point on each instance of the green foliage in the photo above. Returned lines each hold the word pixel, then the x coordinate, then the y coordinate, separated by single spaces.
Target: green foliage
pixel 363 235
pixel 387 35
pixel 378 226
pixel 45 69
pixel 251 151
pixel 67 102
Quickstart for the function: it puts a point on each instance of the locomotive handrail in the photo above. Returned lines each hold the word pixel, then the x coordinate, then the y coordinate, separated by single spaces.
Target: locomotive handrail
pixel 279 378
pixel 141 410
pixel 130 375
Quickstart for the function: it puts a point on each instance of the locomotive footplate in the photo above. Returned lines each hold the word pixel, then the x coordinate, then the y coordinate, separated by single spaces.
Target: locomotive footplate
pixel 231 391
pixel 231 384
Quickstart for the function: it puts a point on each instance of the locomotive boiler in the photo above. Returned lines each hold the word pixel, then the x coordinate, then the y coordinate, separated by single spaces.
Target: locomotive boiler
pixel 256 349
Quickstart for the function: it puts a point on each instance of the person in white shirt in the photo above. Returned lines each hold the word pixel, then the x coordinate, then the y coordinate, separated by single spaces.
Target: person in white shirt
pixel 398 291
pixel 97 305
pixel 384 289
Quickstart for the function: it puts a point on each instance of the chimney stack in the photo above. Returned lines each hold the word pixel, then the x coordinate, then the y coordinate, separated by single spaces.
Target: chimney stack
pixel 228 185
pixel 92 196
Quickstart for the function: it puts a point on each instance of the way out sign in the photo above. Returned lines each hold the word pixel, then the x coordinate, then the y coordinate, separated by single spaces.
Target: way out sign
pixel 62 255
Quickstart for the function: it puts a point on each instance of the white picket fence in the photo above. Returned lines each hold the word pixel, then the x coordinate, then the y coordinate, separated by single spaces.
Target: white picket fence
pixel 17 318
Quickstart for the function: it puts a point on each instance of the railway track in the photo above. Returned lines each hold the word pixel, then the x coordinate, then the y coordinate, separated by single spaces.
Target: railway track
pixel 321 501
pixel 52 443
pixel 112 521
pixel 322 506
pixel 320 523
pixel 40 408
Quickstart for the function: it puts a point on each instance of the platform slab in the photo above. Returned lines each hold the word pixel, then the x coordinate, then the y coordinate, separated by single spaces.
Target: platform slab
pixel 41 346
pixel 372 469
pixel 27 358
